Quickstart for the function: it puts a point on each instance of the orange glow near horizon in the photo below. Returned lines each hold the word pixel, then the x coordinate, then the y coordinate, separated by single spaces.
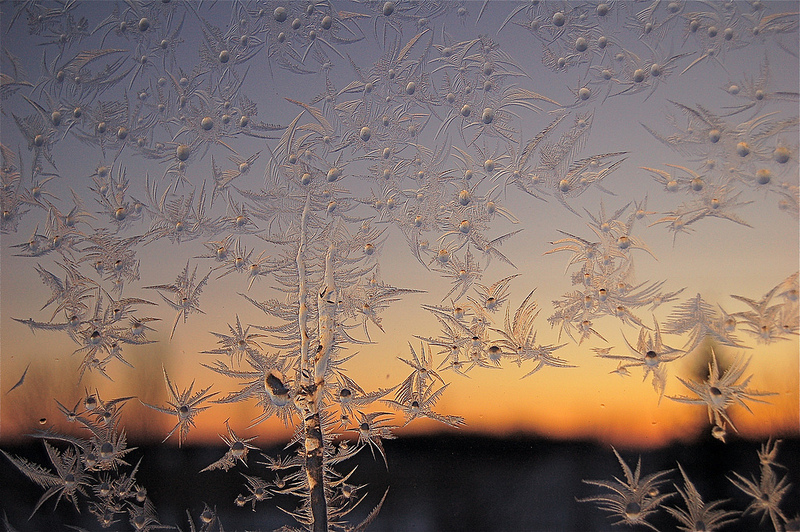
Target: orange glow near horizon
pixel 609 408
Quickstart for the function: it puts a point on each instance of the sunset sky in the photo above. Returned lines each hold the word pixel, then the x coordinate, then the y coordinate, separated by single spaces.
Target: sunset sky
pixel 718 259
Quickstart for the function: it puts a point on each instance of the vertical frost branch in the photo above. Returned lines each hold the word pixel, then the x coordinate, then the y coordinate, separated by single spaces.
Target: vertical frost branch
pixel 302 315
pixel 326 305
pixel 313 428
pixel 311 422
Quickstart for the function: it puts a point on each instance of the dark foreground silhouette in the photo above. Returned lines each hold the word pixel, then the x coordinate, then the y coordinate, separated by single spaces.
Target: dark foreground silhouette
pixel 435 483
